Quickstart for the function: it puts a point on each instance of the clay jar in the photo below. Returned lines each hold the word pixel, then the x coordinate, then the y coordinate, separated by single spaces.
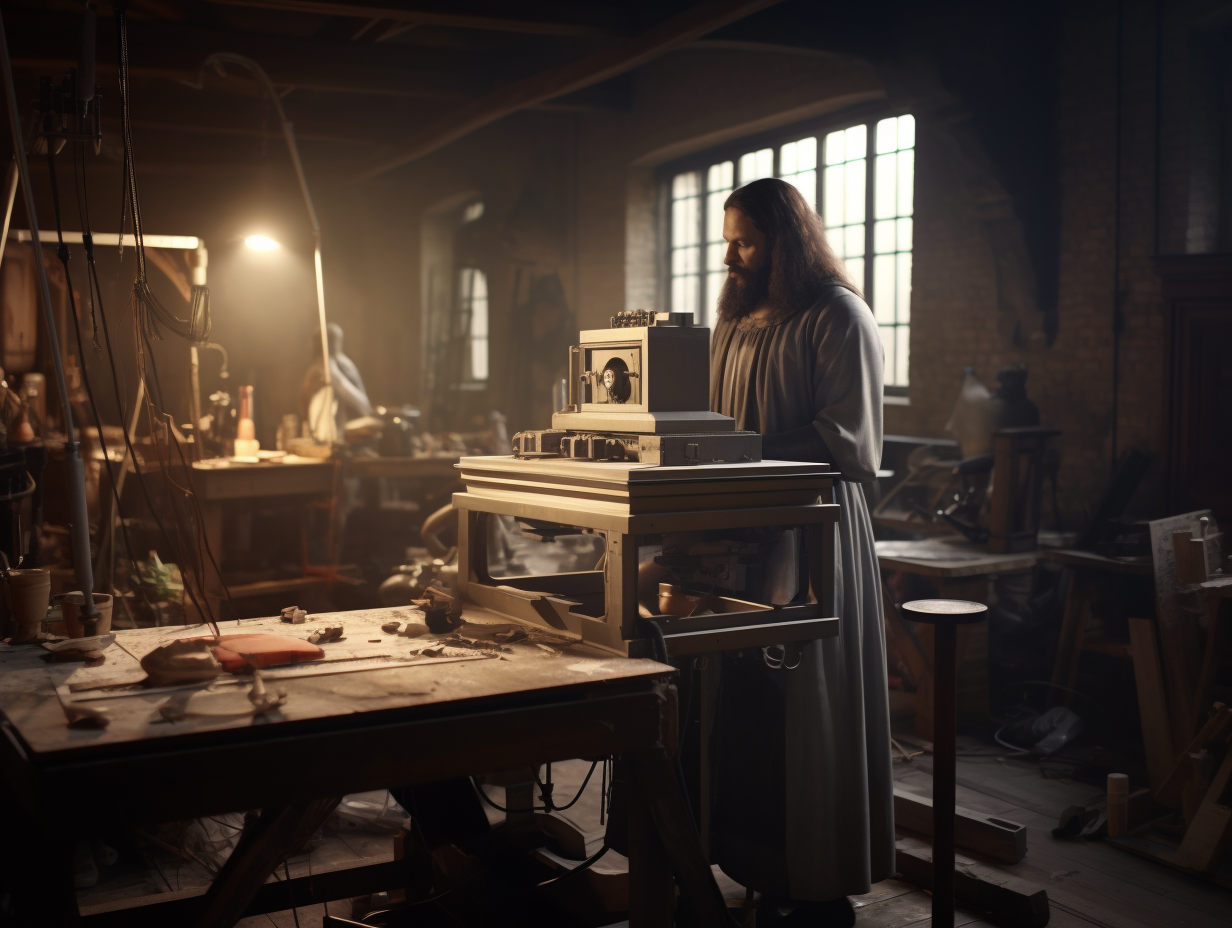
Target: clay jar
pixel 70 605
pixel 28 593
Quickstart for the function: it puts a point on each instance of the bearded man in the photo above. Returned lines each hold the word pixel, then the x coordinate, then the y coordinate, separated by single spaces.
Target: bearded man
pixel 803 792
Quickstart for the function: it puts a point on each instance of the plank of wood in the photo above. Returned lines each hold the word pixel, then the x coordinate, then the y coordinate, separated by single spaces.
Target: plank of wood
pixel 1178 630
pixel 1169 792
pixel 609 61
pixel 1010 901
pixel 1152 703
pixel 1209 835
pixel 988 835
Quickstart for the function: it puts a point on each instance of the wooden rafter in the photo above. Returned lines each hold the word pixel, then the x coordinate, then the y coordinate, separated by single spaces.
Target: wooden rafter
pixel 604 64
pixel 430 15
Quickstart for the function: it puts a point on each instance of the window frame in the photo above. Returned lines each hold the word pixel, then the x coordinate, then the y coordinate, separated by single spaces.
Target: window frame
pixel 700 161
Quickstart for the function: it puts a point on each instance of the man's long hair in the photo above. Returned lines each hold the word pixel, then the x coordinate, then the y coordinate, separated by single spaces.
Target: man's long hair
pixel 801 260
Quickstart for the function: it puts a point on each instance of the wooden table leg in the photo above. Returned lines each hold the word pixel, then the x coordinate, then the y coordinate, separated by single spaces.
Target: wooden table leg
pixel 659 789
pixel 1069 646
pixel 278 833
pixel 651 891
pixel 945 731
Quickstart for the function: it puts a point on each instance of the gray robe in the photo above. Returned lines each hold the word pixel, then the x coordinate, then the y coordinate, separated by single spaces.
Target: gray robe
pixel 821 367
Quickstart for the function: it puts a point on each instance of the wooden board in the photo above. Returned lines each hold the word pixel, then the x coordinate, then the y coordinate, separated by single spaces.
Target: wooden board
pixel 1152 704
pixel 988 835
pixel 1178 630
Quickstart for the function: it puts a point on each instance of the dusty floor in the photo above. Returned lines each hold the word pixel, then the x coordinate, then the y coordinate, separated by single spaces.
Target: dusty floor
pixel 1088 882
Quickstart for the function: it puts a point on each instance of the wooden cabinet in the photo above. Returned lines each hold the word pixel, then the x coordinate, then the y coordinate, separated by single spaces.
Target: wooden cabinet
pixel 1198 290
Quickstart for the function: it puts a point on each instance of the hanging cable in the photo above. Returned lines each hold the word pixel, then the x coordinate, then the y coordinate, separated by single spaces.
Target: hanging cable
pixel 151 315
pixel 63 254
pixel 198 598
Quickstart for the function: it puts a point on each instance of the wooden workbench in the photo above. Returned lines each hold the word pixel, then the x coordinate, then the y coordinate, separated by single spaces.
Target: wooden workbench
pixel 222 484
pixel 423 720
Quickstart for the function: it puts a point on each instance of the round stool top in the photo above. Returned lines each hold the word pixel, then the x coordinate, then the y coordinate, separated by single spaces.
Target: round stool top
pixel 939 611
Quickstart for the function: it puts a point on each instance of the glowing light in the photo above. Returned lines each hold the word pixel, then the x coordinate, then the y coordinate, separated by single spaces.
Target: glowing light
pixel 261 243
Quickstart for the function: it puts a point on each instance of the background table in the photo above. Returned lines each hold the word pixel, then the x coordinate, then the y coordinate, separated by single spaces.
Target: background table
pixel 958 569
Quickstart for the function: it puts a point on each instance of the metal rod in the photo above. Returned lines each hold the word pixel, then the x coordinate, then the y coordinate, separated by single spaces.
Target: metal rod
pixel 79 526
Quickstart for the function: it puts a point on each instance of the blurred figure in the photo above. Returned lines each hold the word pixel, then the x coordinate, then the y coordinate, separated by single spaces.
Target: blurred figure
pixel 350 398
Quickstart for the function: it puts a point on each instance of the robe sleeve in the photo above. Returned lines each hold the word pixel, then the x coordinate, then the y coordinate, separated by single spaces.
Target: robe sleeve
pixel 848 389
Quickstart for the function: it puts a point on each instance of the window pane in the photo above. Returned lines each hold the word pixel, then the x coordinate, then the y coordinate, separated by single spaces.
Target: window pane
pixel 756 165
pixel 887 346
pixel 853 192
pixel 853 241
pixel 684 222
pixel 883 236
pixel 902 355
pixel 787 159
pixel 685 185
pixel 855 271
pixel 883 288
pixel 885 199
pixel 906 181
pixel 903 285
pixel 806 183
pixel 906 131
pixel 887 135
pixel 856 141
pixel 904 235
pixel 719 177
pixel 832 199
pixel 835 150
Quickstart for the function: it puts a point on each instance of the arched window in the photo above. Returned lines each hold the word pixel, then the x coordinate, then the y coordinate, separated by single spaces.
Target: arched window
pixel 473 323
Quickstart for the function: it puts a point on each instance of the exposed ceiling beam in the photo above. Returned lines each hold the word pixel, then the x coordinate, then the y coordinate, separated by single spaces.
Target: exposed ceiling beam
pixel 446 14
pixel 604 64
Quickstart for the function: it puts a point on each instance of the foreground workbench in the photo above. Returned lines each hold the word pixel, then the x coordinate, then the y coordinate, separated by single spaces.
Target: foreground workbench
pixel 376 713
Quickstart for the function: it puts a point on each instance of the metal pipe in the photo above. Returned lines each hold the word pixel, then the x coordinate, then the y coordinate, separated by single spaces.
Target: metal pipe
pixel 79 526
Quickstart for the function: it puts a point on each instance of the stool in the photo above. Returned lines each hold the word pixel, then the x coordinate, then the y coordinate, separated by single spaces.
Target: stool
pixel 945 615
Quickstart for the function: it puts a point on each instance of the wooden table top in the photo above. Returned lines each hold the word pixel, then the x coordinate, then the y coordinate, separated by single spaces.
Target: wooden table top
pixel 1089 559
pixel 392 678
pixel 221 479
pixel 951 557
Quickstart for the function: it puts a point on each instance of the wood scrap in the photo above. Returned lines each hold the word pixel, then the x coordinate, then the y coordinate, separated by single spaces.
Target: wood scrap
pixel 1209 836
pixel 988 835
pixel 1152 702
pixel 1008 900
pixel 1178 629
pixel 1170 791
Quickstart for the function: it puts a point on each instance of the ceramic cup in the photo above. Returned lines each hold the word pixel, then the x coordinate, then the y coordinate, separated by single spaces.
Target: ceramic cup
pixel 28 593
pixel 70 605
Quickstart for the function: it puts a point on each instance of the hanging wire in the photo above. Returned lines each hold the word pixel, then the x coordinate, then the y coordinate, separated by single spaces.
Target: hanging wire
pixel 150 314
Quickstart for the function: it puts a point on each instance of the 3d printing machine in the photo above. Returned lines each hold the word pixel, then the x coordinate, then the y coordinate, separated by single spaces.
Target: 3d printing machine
pixel 639 505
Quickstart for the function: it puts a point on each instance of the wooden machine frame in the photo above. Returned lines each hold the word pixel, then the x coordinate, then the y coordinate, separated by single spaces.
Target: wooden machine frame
pixel 623 501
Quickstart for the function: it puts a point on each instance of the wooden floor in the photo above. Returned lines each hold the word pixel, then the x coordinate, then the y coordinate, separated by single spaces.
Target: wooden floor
pixel 1089 883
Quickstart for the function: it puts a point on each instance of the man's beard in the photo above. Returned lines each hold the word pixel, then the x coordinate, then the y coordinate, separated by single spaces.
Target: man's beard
pixel 744 292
